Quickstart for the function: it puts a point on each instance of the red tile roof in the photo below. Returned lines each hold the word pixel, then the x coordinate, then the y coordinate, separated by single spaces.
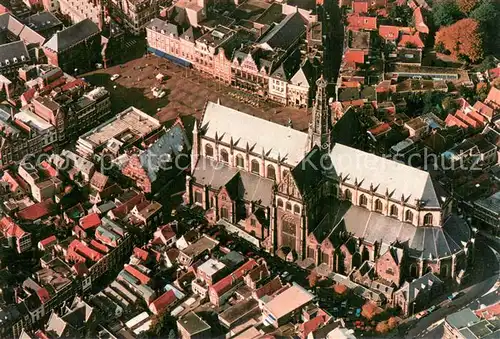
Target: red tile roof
pixel 224 285
pixel 383 86
pixel 414 40
pixel 312 325
pixel 392 32
pixel 3 9
pixel 478 117
pixel 357 22
pixel 36 211
pixel 73 84
pixel 11 180
pixel 483 109
pixel 43 295
pixel 360 6
pixel 161 303
pixel 357 57
pixel 493 97
pixel 48 240
pixel 99 246
pixel 269 288
pixel 144 279
pixel 494 73
pixel 90 221
pixel 418 18
pixel 29 94
pixel 122 210
pixel 454 121
pixel 10 229
pixel 380 129
pixel 489 312
pixel 79 248
pixel 471 122
pixel 51 171
pixel 139 253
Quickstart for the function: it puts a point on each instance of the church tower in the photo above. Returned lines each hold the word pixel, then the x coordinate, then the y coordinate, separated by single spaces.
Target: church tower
pixel 320 125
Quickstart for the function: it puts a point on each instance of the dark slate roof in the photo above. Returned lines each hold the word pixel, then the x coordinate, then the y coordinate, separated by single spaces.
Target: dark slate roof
pixel 426 242
pixel 172 143
pixel 285 33
pixel 287 69
pixel 308 173
pixel 167 27
pixel 72 35
pixel 8 22
pixel 13 50
pixel 42 21
pixel 327 227
pixel 241 184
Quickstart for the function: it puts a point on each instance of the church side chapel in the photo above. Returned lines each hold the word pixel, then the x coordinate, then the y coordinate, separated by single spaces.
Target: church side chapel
pixel 323 204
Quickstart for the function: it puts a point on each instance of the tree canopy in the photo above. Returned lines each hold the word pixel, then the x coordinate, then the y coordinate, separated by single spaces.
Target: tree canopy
pixel 445 13
pixel 467 5
pixel 463 39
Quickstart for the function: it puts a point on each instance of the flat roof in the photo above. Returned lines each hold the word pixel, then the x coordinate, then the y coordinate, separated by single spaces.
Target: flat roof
pixel 33 120
pixel 193 324
pixel 211 266
pixel 238 311
pixel 289 300
pixel 202 244
pixel 127 126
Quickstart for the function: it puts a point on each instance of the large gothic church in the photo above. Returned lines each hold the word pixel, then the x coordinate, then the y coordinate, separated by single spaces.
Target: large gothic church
pixel 322 203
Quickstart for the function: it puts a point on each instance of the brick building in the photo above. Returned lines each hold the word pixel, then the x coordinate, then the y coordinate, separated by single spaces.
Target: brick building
pixel 78 10
pixel 75 49
pixel 336 218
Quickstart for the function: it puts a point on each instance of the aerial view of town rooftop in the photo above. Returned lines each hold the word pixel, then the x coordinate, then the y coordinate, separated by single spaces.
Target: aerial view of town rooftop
pixel 250 169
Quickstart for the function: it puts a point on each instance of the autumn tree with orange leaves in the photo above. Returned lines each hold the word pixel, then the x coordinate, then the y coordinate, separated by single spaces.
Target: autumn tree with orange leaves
pixel 467 5
pixel 462 39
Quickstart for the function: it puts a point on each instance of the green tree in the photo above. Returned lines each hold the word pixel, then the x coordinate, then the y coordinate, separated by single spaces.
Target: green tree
pixel 449 104
pixel 401 15
pixel 487 15
pixel 162 324
pixel 445 13
pixel 172 334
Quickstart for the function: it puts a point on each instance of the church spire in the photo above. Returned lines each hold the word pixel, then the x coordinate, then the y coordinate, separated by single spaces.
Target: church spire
pixel 320 125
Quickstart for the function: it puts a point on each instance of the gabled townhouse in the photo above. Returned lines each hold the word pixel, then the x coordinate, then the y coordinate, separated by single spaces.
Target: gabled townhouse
pixel 16 237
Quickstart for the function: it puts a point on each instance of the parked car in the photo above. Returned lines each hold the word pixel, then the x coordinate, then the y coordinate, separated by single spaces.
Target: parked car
pixel 422 314
pixel 432 308
pixel 285 274
pixel 454 295
pixel 114 77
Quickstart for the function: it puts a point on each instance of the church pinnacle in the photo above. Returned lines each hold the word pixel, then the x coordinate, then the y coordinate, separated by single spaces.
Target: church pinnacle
pixel 320 124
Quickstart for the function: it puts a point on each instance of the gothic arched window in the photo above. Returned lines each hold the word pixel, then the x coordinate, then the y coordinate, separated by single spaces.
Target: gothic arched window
pixel 409 216
pixel 348 195
pixel 280 203
pixel 363 200
pixel 394 211
pixel 378 205
pixel 209 150
pixel 224 156
pixel 428 219
pixel 255 167
pixel 271 172
pixel 239 161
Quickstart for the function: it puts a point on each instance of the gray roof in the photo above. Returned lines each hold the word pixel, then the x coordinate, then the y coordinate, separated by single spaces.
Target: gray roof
pixel 193 324
pixel 412 289
pixel 164 27
pixel 427 242
pixel 284 34
pixel 385 175
pixel 172 143
pixel 72 35
pixel 16 49
pixel 462 318
pixel 8 22
pixel 42 21
pixel 248 186
pixel 273 139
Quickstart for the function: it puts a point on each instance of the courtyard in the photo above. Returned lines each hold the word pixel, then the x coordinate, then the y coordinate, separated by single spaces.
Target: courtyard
pixel 187 92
